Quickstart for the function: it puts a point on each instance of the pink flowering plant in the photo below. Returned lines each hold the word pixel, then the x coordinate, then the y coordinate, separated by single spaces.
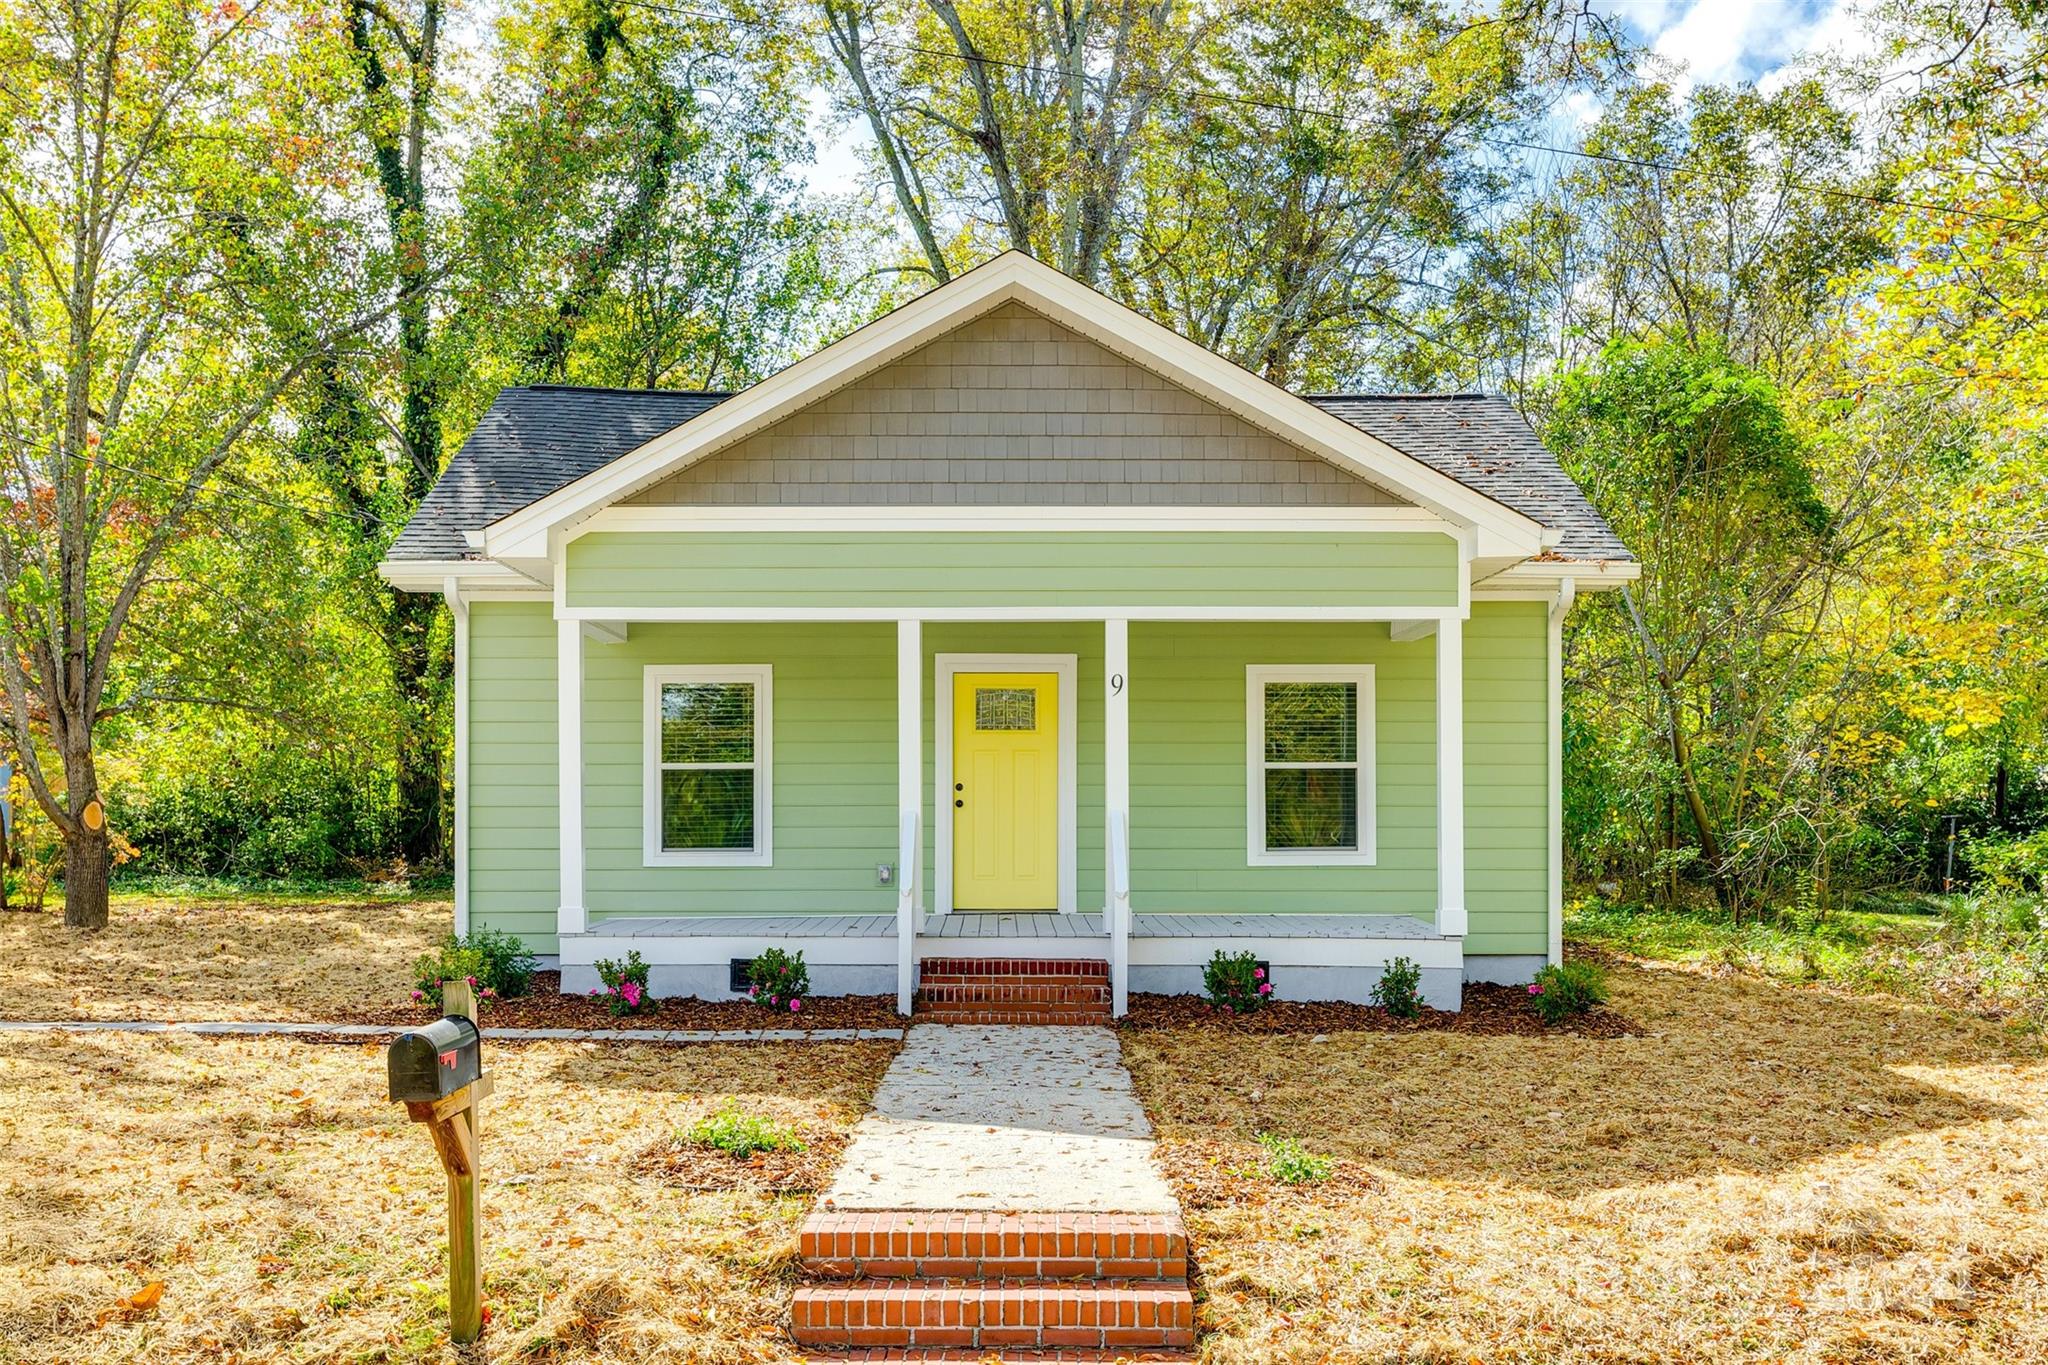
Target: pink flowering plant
pixel 779 980
pixel 1236 983
pixel 625 986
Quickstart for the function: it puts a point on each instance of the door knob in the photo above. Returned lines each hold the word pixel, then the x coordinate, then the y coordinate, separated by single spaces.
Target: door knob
pixel 958 804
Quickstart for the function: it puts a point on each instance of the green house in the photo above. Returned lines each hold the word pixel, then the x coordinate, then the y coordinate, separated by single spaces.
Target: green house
pixel 1015 626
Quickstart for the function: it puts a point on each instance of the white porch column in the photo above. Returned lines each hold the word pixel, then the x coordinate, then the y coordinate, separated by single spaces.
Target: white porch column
pixel 1116 802
pixel 909 804
pixel 569 918
pixel 1554 703
pixel 1450 778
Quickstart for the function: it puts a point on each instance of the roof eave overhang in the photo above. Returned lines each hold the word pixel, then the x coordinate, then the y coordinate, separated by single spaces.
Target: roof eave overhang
pixel 470 575
pixel 529 535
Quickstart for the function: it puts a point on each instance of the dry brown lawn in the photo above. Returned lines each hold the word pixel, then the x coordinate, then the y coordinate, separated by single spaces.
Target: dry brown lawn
pixel 291 1214
pixel 228 959
pixel 1767 1174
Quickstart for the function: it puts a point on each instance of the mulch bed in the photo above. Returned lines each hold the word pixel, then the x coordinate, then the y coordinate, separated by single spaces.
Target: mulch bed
pixel 547 1007
pixel 1488 1009
pixel 687 1166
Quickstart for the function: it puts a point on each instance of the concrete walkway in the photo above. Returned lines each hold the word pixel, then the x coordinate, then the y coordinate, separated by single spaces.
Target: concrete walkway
pixel 1010 1118
pixel 255 1029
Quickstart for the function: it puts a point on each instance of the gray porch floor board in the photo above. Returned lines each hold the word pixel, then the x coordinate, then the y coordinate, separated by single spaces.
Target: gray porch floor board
pixel 1002 926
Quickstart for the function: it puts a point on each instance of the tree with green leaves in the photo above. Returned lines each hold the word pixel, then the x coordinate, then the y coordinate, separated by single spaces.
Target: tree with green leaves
pixel 174 262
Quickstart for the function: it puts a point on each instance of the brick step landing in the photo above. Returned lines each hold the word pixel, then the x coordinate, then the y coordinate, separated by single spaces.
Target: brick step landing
pixel 984 967
pixel 994 1246
pixel 985 990
pixel 1099 1314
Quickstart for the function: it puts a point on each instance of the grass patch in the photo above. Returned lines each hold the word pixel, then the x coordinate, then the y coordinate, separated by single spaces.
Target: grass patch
pixel 742 1135
pixel 321 961
pixel 291 1213
pixel 1763 1174
pixel 1987 954
pixel 1290 1163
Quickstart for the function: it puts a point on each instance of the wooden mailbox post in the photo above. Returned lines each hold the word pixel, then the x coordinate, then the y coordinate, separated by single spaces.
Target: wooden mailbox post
pixel 447 1104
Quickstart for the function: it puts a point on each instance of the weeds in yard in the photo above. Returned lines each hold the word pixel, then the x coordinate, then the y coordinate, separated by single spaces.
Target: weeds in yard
pixel 741 1134
pixel 1290 1163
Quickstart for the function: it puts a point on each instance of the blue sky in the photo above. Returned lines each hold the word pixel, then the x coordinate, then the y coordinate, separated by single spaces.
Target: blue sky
pixel 1698 41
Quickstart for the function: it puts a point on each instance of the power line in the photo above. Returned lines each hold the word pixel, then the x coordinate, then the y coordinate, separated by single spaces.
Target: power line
pixel 1339 117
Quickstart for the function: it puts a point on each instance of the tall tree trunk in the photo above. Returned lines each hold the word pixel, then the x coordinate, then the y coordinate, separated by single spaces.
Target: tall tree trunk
pixel 86 856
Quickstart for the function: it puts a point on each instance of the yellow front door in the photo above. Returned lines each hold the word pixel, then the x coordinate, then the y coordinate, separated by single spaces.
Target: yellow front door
pixel 1006 791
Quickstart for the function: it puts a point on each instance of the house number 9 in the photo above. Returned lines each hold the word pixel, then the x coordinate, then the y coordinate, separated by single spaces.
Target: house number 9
pixel 1116 684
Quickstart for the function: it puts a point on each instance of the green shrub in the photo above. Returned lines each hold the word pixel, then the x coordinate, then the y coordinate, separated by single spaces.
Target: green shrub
pixel 1565 989
pixel 2011 864
pixel 1235 983
pixel 625 985
pixel 779 980
pixel 742 1135
pixel 1398 991
pixel 1290 1163
pixel 259 811
pixel 497 963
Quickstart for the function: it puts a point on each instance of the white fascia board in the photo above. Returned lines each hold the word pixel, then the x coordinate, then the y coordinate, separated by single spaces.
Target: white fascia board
pixel 1254 517
pixel 1541 577
pixel 1015 277
pixel 468 575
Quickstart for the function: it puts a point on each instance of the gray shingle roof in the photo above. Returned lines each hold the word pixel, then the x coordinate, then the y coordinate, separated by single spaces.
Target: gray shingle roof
pixel 534 440
pixel 1482 441
pixel 538 438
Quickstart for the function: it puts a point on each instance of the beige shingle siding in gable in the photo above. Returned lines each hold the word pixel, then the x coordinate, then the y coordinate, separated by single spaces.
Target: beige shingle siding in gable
pixel 1014 410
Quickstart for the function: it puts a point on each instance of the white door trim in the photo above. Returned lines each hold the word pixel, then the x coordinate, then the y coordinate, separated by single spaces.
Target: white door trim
pixel 945 666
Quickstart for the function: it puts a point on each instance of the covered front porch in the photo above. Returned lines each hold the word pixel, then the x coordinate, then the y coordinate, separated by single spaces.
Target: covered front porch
pixel 1309 956
pixel 855 858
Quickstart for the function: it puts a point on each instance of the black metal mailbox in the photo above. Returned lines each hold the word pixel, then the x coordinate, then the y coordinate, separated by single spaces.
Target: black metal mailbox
pixel 436 1061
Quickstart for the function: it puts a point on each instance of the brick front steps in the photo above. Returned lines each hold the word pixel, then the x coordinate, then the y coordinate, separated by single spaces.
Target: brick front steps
pixel 1039 1282
pixel 1000 990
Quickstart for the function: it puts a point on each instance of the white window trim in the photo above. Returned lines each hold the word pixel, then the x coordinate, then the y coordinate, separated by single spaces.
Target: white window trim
pixel 1256 676
pixel 762 676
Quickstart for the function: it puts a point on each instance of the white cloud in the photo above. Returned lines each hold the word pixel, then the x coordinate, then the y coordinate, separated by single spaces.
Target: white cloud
pixel 1716 40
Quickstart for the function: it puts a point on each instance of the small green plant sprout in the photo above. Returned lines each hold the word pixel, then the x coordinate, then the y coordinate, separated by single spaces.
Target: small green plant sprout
pixel 742 1135
pixel 1563 990
pixel 496 964
pixel 625 986
pixel 1398 991
pixel 1290 1163
pixel 779 980
pixel 1235 983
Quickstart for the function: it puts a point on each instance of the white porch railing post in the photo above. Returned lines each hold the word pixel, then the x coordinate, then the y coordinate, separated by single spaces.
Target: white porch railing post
pixel 910 803
pixel 1116 793
pixel 1450 778
pixel 569 917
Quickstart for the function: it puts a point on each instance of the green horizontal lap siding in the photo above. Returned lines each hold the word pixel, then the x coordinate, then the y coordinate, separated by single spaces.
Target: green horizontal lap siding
pixel 1507 778
pixel 514 865
pixel 834 783
pixel 633 569
pixel 1188 786
pixel 835 768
